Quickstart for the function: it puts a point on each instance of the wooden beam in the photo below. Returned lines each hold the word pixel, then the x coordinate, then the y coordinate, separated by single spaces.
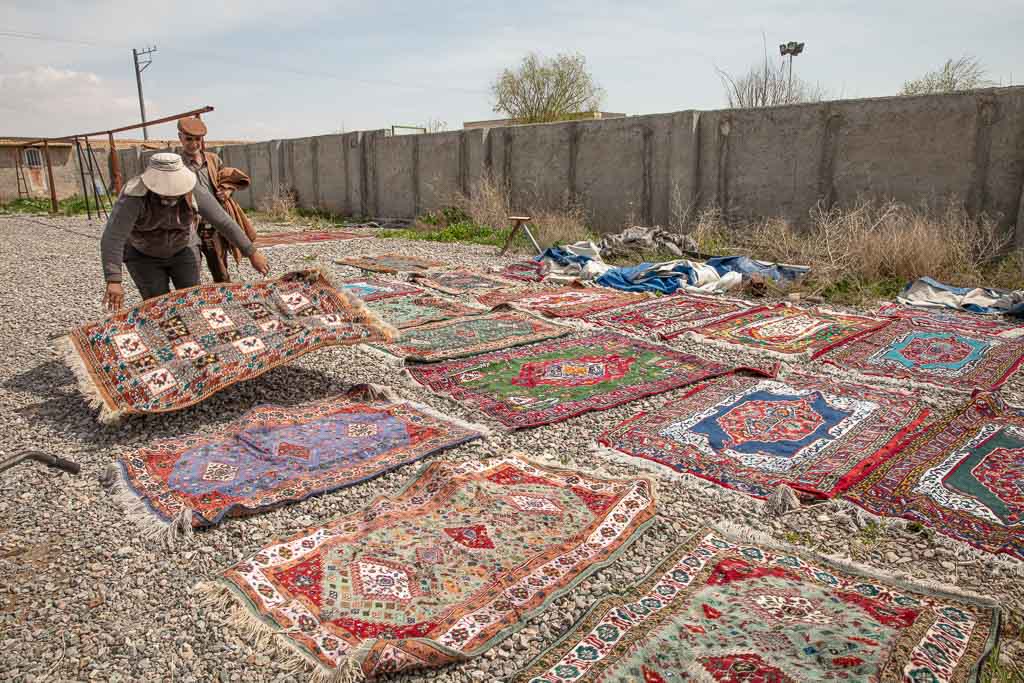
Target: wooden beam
pixel 49 174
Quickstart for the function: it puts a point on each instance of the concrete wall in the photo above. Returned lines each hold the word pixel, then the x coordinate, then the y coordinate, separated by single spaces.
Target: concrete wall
pixel 781 161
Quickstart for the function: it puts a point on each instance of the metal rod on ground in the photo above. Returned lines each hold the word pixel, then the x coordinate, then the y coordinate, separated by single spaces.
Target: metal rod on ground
pixel 81 173
pixel 49 175
pixel 92 177
pixel 115 165
pixel 103 182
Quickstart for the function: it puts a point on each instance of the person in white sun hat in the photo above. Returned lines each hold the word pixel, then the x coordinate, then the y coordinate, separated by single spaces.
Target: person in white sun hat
pixel 152 232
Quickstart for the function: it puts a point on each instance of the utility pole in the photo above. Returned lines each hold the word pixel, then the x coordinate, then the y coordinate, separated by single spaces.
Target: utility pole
pixel 792 49
pixel 139 68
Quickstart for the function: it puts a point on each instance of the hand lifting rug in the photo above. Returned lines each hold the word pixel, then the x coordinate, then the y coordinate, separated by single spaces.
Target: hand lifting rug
pixel 562 302
pixel 751 434
pixel 417 309
pixel 997 326
pixel 668 317
pixel 461 281
pixel 730 611
pixel 787 331
pixel 910 352
pixel 372 289
pixel 454 564
pixel 389 263
pixel 179 349
pixel 527 271
pixel 279 239
pixel 963 478
pixel 472 335
pixel 555 380
pixel 279 454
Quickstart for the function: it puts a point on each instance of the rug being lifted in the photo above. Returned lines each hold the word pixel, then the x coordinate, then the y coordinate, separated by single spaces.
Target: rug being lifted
pixel 472 335
pixel 555 380
pixel 455 563
pixel 176 350
pixel 964 478
pixel 389 263
pixel 813 434
pixel 730 611
pixel 279 454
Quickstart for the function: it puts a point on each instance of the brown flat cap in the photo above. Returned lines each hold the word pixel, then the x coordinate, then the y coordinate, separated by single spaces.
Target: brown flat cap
pixel 192 126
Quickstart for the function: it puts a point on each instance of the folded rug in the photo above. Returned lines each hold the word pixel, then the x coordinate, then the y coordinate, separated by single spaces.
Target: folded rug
pixel 562 302
pixel 722 608
pixel 555 380
pixel 277 239
pixel 454 564
pixel 752 434
pixel 461 281
pixel 472 335
pixel 389 263
pixel 413 310
pixel 668 317
pixel 278 454
pixel 179 349
pixel 964 478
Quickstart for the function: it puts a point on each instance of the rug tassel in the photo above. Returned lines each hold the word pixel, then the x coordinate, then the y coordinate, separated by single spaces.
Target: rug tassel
pixel 65 348
pixel 151 526
pixel 782 501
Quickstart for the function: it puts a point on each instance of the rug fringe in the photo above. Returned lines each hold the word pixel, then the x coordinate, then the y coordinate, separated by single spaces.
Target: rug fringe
pixel 927 394
pixel 484 431
pixel 94 398
pixel 169 533
pixel 365 315
pixel 408 380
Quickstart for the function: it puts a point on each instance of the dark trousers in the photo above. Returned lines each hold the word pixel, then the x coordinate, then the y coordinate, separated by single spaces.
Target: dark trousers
pixel 153 275
pixel 214 261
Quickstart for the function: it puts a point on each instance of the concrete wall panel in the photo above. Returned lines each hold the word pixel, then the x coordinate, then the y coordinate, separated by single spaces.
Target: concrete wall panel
pixel 394 183
pixel 439 169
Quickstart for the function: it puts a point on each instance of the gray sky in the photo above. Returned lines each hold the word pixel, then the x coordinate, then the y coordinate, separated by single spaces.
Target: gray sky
pixel 289 69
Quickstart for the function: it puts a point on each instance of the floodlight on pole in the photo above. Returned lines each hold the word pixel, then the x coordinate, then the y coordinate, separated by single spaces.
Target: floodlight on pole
pixel 792 48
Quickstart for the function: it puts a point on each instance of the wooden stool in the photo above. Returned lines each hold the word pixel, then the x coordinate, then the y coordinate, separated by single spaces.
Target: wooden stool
pixel 520 222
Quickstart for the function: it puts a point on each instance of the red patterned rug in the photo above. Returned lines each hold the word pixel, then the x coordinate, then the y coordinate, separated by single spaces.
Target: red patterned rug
pixel 668 317
pixel 453 565
pixel 461 281
pixel 278 239
pixel 176 350
pixel 562 302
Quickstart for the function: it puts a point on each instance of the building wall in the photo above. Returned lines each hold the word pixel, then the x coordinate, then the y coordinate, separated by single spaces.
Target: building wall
pixel 66 176
pixel 781 161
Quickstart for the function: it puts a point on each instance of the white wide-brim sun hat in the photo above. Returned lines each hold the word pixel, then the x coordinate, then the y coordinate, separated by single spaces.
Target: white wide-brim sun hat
pixel 167 175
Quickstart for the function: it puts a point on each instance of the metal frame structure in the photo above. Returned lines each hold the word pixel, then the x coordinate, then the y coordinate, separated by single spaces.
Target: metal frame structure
pixel 87 157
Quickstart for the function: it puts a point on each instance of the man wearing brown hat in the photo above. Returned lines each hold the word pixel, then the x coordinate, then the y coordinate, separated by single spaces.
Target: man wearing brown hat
pixel 220 182
pixel 151 231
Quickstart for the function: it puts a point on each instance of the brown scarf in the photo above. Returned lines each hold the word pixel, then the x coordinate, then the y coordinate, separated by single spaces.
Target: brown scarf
pixel 235 180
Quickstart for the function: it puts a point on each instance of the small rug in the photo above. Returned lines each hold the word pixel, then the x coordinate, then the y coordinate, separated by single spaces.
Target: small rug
pixel 910 352
pixel 416 309
pixel 668 317
pixel 788 331
pixel 448 568
pixel 279 454
pixel 372 289
pixel 176 350
pixel 527 271
pixel 963 478
pixel 472 335
pixel 278 239
pixel 563 302
pixel 555 380
pixel 389 263
pixel 718 608
pixel 993 325
pixel 461 281
pixel 751 434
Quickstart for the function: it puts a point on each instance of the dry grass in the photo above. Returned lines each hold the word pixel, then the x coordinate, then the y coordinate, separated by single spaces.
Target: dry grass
pixel 279 205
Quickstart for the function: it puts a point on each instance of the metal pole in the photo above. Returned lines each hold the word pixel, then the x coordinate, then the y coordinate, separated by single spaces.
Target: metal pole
pixel 790 76
pixel 81 173
pixel 49 175
pixel 92 177
pixel 103 182
pixel 115 164
pixel 142 103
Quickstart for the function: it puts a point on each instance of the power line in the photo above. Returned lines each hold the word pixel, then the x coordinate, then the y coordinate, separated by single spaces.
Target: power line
pixel 247 63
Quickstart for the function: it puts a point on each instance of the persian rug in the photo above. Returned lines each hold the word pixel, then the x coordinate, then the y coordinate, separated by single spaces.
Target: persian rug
pixel 472 335
pixel 562 302
pixel 176 350
pixel 668 317
pixel 527 271
pixel 389 263
pixel 372 289
pixel 909 351
pixel 279 454
pixel 722 609
pixel 964 478
pixel 455 563
pixel 555 380
pixel 993 325
pixel 278 239
pixel 461 281
pixel 751 434
pixel 416 309
pixel 788 331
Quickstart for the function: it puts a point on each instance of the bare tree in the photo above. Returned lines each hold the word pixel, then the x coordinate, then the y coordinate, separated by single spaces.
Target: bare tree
pixel 768 85
pixel 966 73
pixel 546 89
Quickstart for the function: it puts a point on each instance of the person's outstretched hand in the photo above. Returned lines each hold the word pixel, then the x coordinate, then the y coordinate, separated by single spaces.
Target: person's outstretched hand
pixel 259 262
pixel 113 297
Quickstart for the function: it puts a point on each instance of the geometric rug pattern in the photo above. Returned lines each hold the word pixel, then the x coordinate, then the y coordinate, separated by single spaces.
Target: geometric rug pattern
pixel 753 434
pixel 461 281
pixel 452 565
pixel 413 310
pixel 668 317
pixel 964 478
pixel 562 302
pixel 720 609
pixel 373 288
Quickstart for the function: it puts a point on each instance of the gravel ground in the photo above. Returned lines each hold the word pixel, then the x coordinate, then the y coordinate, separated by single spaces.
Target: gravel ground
pixel 82 597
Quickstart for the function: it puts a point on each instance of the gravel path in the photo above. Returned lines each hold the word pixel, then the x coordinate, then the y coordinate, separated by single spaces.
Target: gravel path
pixel 83 598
